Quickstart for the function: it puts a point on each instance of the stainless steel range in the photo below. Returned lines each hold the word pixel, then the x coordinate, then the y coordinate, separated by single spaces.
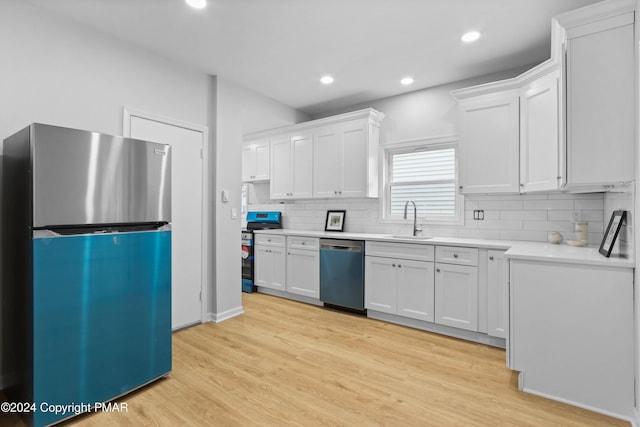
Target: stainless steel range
pixel 255 221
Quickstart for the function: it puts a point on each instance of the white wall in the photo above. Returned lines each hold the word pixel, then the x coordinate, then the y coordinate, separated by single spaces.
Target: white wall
pixel 238 111
pixel 56 71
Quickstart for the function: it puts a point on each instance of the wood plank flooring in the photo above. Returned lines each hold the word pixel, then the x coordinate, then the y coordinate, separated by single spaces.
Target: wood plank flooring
pixel 284 363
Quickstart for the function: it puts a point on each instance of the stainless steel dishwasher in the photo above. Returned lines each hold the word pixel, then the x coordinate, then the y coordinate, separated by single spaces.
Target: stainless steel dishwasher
pixel 342 273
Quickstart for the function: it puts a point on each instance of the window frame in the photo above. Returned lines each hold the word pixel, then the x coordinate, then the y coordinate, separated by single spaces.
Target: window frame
pixel 425 144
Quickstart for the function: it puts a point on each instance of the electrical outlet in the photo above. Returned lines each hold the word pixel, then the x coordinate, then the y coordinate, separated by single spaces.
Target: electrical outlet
pixel 576 216
pixel 478 215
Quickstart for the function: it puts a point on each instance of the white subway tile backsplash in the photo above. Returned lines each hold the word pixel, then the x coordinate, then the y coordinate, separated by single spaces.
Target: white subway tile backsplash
pixel 501 205
pixel 524 215
pixel 548 204
pixel 589 204
pixel 547 226
pixel 509 217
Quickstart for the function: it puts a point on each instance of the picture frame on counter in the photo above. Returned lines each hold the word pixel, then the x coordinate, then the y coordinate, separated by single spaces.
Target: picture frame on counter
pixel 335 220
pixel 609 238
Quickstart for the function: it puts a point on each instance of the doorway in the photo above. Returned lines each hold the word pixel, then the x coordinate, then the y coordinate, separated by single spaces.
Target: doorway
pixel 187 208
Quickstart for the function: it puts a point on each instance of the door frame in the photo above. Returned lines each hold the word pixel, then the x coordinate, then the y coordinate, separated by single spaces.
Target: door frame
pixel 127 114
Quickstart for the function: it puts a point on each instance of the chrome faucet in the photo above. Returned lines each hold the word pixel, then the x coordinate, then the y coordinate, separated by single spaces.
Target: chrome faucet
pixel 416 230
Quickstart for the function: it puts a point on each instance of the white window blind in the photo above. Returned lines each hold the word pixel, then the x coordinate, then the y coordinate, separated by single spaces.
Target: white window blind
pixel 426 176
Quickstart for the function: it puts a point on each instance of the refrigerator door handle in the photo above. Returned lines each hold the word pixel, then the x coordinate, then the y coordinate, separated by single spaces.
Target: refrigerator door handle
pixel 44 234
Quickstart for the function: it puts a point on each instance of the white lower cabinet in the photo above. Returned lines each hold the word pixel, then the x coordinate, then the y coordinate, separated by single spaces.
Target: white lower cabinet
pixel 270 267
pixel 270 262
pixel 303 267
pixel 456 296
pixel 399 286
pixel 380 284
pixel 399 279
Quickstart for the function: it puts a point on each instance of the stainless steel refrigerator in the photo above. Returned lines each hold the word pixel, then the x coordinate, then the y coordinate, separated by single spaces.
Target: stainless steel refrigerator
pixel 86 268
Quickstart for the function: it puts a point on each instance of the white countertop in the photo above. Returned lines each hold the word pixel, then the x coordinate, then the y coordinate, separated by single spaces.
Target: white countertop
pixel 533 251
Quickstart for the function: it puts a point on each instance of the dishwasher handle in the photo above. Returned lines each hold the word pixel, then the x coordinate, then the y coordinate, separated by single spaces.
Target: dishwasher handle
pixel 341 245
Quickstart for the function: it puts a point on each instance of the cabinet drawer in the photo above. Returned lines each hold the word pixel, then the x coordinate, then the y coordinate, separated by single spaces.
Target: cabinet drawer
pixel 269 240
pixel 417 252
pixel 457 255
pixel 298 242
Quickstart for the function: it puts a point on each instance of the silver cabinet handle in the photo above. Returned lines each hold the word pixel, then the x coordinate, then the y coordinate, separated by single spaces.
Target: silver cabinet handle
pixel 491 258
pixel 399 266
pixel 437 270
pixel 455 255
pixel 393 265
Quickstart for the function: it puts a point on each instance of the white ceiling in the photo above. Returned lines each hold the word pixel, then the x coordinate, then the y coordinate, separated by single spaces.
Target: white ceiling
pixel 281 48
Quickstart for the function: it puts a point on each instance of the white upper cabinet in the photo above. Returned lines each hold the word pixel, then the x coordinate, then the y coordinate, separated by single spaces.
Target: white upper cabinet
pixel 541 142
pixel 346 160
pixel 255 161
pixel 332 157
pixel 281 178
pixel 291 166
pixel 489 155
pixel 600 101
pixel 572 118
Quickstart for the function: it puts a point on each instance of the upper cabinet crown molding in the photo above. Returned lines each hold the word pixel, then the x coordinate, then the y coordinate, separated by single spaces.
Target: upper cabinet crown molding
pixel 596 12
pixel 540 70
pixel 375 118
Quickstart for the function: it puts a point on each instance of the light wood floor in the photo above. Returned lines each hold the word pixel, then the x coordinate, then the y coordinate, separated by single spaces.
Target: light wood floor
pixel 286 363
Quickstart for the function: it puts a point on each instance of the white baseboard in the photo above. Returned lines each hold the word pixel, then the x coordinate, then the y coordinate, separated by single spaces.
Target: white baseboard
pixel 225 315
pixel 522 386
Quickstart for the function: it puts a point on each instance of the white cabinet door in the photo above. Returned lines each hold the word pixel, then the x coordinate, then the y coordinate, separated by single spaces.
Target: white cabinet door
pixel 302 166
pixel 270 267
pixel 303 272
pixel 600 103
pixel 262 162
pixel 380 284
pixel 456 296
pixel 342 160
pixel 248 163
pixel 356 159
pixel 497 295
pixel 415 289
pixel 279 268
pixel 281 186
pixel 541 146
pixel 255 161
pixel 328 161
pixel 489 143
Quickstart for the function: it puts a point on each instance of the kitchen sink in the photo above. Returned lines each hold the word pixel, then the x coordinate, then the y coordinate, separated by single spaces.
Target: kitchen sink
pixel 404 236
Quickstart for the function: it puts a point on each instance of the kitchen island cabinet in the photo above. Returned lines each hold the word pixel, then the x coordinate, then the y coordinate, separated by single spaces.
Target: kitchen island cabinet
pixel 571 333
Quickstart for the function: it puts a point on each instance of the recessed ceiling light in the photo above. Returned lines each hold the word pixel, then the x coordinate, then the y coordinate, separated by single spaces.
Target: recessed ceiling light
pixel 471 36
pixel 326 80
pixel 197 4
pixel 406 81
